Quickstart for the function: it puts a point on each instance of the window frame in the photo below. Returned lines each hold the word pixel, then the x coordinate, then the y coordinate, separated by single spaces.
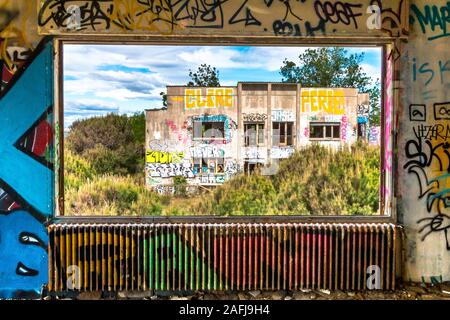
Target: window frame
pixel 204 138
pixel 383 43
pixel 287 125
pixel 257 134
pixel 324 125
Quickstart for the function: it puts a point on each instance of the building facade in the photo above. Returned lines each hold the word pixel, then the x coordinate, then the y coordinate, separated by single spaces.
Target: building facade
pixel 207 135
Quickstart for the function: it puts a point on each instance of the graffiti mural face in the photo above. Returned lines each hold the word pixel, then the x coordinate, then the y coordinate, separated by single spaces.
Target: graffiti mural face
pixel 23 254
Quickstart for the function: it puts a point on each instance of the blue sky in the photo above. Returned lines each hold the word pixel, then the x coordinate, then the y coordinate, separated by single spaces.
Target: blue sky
pixel 99 79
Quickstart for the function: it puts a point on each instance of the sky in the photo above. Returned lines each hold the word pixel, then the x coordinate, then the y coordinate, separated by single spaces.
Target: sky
pixel 100 79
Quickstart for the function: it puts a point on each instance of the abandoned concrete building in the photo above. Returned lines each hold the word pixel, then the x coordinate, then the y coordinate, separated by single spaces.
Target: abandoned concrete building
pixel 209 134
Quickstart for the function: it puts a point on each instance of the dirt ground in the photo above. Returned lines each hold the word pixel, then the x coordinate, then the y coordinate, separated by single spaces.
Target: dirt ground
pixel 411 291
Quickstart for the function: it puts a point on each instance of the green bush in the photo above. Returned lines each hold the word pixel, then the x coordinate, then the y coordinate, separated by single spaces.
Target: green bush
pixel 76 170
pixel 112 195
pixel 112 143
pixel 243 195
pixel 328 182
pixel 180 186
pixel 313 181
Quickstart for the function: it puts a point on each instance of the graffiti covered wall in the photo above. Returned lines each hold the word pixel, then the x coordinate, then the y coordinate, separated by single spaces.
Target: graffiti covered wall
pixel 195 138
pixel 251 17
pixel 207 135
pixel 417 162
pixel 26 149
pixel 26 176
pixel 424 141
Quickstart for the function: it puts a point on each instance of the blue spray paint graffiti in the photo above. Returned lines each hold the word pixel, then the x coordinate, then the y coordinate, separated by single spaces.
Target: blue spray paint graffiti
pixel 229 124
pixel 26 176
pixel 23 254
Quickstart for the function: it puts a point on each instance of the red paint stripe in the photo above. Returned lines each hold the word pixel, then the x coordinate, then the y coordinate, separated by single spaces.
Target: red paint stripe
pixel 296 252
pixel 42 138
pixel 238 282
pixel 232 259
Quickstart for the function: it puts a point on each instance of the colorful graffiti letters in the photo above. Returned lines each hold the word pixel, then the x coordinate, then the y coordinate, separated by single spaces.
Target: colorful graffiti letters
pixel 344 128
pixel 170 170
pixel 282 116
pixel 207 151
pixel 281 152
pixel 254 117
pixel 329 101
pixel 433 19
pixel 214 98
pixel 152 156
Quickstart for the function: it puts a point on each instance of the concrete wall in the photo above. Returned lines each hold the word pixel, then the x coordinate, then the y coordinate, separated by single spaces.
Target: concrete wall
pixel 423 82
pixel 329 105
pixel 172 149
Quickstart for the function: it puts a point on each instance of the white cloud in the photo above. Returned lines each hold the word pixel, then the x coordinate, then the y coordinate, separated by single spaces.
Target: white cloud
pixel 372 71
pixel 130 77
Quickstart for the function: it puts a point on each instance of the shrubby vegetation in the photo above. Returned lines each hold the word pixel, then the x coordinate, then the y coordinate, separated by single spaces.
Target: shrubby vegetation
pixel 111 144
pixel 316 180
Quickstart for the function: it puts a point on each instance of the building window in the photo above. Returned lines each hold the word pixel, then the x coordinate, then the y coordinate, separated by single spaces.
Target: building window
pixel 209 130
pixel 250 167
pixel 282 133
pixel 254 134
pixel 362 131
pixel 324 131
pixel 208 165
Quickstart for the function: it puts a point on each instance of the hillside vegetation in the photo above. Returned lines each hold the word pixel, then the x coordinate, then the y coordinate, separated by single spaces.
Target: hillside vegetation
pixel 108 179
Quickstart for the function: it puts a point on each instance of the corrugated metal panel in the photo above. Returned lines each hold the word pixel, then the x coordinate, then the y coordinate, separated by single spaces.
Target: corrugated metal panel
pixel 113 257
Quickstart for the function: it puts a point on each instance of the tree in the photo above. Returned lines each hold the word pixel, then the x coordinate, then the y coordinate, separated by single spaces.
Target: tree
pixel 164 98
pixel 112 143
pixel 205 76
pixel 375 107
pixel 334 68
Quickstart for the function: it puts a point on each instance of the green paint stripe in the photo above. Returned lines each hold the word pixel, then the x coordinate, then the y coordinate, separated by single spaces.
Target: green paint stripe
pixel 163 263
pixel 180 259
pixel 156 262
pixel 145 257
pixel 174 253
pixel 169 260
pixel 186 269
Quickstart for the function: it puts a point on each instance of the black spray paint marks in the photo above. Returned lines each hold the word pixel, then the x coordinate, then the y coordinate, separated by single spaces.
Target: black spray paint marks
pixel 417 112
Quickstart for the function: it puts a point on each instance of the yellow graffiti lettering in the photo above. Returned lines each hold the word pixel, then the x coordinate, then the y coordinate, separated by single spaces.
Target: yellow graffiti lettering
pixel 152 156
pixel 220 102
pixel 190 102
pixel 214 98
pixel 329 101
pixel 210 96
pixel 228 97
